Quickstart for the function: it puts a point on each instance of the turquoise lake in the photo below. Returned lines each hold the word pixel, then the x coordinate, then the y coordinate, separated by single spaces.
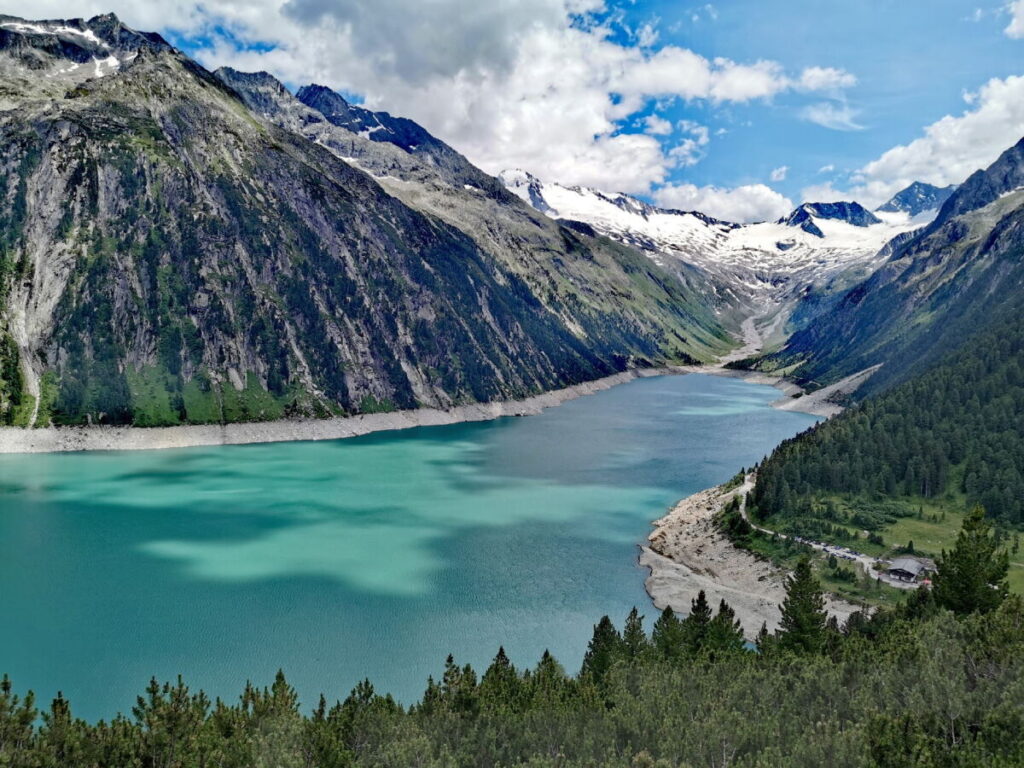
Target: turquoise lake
pixel 369 557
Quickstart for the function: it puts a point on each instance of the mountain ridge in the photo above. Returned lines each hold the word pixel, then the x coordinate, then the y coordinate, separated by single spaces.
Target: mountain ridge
pixel 759 269
pixel 946 281
pixel 170 256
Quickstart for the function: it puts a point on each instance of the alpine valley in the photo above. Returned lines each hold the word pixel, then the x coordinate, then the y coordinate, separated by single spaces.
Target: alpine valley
pixel 181 246
pixel 192 258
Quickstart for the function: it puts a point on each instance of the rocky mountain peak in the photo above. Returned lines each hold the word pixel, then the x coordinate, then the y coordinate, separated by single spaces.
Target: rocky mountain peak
pixel 851 212
pixel 917 198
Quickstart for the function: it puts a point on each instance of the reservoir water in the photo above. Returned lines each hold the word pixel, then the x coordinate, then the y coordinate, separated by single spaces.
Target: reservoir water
pixel 369 557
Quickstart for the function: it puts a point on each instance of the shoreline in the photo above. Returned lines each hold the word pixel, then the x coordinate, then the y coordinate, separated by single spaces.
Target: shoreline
pixel 686 553
pixel 128 438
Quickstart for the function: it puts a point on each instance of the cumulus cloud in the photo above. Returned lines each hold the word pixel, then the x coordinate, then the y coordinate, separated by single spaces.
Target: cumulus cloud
pixel 691 149
pixel 837 117
pixel 647 35
pixel 826 78
pixel 779 174
pixel 657 126
pixel 1015 28
pixel 539 84
pixel 822 193
pixel 752 202
pixel 952 148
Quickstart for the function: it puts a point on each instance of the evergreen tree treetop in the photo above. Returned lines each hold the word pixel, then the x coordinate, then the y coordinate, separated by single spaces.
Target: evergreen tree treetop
pixel 972 576
pixel 804 619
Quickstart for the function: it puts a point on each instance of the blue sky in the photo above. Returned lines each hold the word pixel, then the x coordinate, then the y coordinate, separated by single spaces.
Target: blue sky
pixel 739 108
pixel 913 62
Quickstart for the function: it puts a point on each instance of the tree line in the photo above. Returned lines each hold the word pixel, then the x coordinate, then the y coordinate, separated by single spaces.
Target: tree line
pixel 934 682
pixel 958 427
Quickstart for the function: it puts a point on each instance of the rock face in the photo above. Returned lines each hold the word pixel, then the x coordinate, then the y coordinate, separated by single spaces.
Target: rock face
pixel 938 286
pixel 918 198
pixel 169 255
pixel 852 213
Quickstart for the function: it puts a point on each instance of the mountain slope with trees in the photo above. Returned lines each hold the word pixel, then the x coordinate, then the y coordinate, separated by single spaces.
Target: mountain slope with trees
pixel 169 256
pixel 957 428
pixel 961 272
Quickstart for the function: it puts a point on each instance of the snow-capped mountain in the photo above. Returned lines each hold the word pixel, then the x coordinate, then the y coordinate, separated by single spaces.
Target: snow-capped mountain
pixel 52 56
pixel 765 263
pixel 917 199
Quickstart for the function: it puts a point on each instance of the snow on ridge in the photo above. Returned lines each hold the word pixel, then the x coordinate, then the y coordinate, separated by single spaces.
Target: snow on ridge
pixel 111 61
pixel 760 258
pixel 23 27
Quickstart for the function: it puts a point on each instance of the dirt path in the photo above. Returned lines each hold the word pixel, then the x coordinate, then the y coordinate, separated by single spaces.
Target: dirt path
pixel 873 566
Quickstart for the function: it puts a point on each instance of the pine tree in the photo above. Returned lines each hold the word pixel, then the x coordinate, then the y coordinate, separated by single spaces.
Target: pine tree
pixel 763 641
pixel 667 635
pixel 500 685
pixel 802 627
pixel 695 626
pixel 725 633
pixel 634 639
pixel 604 648
pixel 972 576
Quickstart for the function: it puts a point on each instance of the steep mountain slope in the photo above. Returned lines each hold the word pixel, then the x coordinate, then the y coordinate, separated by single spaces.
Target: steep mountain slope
pixel 961 272
pixel 168 256
pixel 593 284
pixel 918 198
pixel 958 427
pixel 759 267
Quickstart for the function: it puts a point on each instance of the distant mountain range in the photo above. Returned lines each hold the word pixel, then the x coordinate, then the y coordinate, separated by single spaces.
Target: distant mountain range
pixel 180 246
pixel 951 279
pixel 756 266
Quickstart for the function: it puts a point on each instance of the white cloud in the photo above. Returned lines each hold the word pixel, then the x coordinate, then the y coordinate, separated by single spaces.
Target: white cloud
pixel 951 148
pixel 826 78
pixel 822 193
pixel 691 149
pixel 538 84
pixel 707 11
pixel 657 126
pixel 1015 28
pixel 827 168
pixel 752 202
pixel 647 35
pixel 837 117
pixel 779 174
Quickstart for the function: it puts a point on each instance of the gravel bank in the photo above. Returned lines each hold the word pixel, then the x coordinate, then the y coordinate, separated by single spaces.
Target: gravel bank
pixel 54 439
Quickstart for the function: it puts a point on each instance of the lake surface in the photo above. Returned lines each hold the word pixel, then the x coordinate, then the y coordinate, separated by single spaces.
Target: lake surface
pixel 368 557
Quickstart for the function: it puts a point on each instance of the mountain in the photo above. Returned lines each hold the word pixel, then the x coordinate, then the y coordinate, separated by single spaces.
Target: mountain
pixel 597 286
pixel 169 255
pixel 953 278
pixel 918 198
pixel 807 215
pixel 758 268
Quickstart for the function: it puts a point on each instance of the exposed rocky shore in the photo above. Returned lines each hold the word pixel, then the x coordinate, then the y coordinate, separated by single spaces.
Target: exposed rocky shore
pixel 53 439
pixel 687 553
